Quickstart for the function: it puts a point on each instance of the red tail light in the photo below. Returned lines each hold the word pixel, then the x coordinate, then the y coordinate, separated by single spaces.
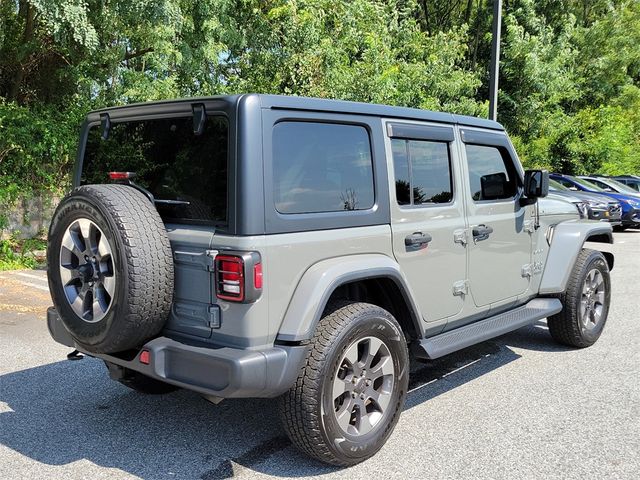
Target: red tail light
pixel 230 278
pixel 145 357
pixel 121 175
pixel 257 275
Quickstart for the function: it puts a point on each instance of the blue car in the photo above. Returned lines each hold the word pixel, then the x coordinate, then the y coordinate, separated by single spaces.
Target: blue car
pixel 630 202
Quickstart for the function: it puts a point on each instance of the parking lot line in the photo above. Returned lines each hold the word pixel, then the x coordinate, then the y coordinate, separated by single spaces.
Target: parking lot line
pixel 34 285
pixel 29 275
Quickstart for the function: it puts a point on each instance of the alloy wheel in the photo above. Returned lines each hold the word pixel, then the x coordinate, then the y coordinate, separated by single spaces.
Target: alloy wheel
pixel 363 385
pixel 87 270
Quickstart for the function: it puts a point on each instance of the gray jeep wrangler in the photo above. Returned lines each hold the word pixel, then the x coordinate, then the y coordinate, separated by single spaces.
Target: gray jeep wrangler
pixel 267 246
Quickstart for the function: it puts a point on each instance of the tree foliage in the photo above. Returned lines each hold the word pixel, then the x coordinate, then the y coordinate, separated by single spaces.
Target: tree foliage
pixel 569 81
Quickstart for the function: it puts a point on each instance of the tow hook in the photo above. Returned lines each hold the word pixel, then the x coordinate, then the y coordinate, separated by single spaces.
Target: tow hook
pixel 75 355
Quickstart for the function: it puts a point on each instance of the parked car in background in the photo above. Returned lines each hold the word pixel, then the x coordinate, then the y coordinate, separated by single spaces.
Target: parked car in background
pixel 609 184
pixel 629 202
pixel 631 181
pixel 594 206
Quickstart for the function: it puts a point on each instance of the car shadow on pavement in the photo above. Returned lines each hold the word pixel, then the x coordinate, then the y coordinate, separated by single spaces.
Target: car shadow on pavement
pixel 535 337
pixel 63 412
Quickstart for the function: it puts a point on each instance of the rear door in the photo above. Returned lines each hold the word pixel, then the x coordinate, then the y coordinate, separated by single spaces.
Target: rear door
pixel 500 228
pixel 185 170
pixel 427 215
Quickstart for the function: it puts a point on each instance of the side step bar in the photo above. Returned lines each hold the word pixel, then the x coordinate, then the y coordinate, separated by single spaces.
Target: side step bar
pixel 448 342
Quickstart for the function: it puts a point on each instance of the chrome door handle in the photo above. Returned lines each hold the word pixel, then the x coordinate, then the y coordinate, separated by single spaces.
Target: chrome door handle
pixel 481 232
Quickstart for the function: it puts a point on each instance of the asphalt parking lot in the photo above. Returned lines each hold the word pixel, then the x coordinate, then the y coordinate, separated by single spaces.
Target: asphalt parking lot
pixel 515 407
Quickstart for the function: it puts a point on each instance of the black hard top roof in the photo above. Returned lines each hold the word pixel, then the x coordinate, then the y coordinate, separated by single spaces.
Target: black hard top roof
pixel 324 105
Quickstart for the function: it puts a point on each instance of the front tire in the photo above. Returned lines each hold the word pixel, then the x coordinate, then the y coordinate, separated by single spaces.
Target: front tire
pixel 585 302
pixel 351 389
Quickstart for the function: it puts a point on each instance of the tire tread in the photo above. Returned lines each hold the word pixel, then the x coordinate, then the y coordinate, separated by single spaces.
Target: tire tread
pixel 148 255
pixel 563 326
pixel 299 406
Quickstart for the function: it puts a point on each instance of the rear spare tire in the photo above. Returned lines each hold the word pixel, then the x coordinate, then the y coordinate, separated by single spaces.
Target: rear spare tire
pixel 110 267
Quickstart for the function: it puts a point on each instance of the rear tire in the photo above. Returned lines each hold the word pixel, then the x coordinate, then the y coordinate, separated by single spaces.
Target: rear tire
pixel 585 302
pixel 352 387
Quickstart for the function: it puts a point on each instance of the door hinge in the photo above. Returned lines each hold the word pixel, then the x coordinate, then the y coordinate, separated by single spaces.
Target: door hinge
pixel 527 270
pixel 460 288
pixel 211 259
pixel 203 260
pixel 460 236
pixel 529 226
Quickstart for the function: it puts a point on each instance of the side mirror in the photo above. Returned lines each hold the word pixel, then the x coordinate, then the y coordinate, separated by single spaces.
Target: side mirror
pixel 536 183
pixel 493 186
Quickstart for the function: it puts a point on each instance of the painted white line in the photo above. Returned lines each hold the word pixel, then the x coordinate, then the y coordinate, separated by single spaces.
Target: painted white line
pixel 34 285
pixel 29 275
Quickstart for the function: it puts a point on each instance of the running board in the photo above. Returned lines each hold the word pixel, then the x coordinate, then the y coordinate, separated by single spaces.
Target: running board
pixel 448 342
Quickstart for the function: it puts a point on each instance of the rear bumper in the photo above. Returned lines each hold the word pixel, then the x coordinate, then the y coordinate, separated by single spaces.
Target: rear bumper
pixel 222 372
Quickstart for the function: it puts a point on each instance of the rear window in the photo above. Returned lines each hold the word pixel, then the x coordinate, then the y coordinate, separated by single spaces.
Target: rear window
pixel 186 173
pixel 321 167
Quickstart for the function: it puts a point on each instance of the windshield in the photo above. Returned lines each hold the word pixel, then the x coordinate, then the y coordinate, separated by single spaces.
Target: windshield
pixel 555 185
pixel 185 172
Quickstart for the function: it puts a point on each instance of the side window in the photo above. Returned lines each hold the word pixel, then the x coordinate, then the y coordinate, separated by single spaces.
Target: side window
pixel 566 183
pixel 321 167
pixel 600 184
pixel 491 175
pixel 422 172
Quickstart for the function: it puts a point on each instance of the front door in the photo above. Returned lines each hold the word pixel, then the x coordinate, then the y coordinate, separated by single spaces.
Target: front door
pixel 426 214
pixel 499 227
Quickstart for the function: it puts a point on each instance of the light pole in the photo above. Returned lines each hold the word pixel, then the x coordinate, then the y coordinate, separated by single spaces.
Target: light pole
pixel 495 60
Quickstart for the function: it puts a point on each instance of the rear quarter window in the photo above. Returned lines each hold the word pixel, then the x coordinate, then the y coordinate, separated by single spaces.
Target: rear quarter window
pixel 321 167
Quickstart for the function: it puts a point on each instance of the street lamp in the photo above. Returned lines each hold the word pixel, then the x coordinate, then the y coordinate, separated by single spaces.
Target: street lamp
pixel 495 60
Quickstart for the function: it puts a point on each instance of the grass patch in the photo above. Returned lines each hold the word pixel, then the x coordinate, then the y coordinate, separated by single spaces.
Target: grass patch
pixel 20 263
pixel 17 254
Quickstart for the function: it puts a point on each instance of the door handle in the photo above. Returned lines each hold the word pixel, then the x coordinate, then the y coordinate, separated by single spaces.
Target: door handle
pixel 481 232
pixel 417 239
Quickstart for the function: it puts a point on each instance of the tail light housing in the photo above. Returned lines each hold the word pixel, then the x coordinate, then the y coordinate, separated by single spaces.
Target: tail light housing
pixel 238 276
